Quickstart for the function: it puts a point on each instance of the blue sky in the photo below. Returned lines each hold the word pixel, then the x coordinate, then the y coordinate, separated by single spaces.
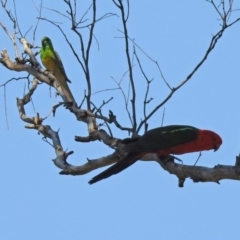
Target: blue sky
pixel 144 201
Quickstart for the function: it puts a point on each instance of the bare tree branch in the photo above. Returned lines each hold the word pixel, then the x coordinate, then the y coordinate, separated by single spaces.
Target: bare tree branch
pixel 87 56
pixel 147 90
pixel 201 174
pixel 124 22
pixel 196 173
pixel 38 19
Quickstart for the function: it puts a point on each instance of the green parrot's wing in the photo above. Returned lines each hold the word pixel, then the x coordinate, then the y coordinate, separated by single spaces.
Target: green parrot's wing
pixel 60 64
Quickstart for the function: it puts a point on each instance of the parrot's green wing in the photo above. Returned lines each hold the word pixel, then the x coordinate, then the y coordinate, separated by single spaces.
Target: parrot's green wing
pixel 161 138
pixel 166 137
pixel 59 61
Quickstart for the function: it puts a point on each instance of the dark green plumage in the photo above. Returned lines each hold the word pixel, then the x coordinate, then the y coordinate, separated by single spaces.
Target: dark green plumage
pixel 161 138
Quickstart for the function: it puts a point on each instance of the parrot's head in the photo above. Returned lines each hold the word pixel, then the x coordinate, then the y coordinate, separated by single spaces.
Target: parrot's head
pixel 210 139
pixel 46 42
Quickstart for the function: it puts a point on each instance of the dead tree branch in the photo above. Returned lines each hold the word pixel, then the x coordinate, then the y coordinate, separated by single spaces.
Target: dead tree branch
pixel 199 173
pixel 124 23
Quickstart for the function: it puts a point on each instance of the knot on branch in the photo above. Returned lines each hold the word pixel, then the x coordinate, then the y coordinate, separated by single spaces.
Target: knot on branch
pixel 197 179
pixel 112 117
pixel 37 120
pixel 181 182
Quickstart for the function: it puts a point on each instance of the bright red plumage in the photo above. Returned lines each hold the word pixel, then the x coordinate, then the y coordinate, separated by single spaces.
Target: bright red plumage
pixel 206 140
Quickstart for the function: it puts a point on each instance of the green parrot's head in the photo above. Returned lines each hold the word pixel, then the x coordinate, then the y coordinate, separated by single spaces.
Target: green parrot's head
pixel 47 43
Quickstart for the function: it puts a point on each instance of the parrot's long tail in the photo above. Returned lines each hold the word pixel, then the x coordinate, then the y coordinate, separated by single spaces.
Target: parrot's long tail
pixel 122 164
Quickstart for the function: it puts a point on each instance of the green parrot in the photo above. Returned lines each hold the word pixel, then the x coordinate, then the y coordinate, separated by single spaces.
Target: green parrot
pixel 52 62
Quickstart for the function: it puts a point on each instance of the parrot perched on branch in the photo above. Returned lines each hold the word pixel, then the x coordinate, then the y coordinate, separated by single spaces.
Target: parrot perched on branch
pixel 52 62
pixel 175 139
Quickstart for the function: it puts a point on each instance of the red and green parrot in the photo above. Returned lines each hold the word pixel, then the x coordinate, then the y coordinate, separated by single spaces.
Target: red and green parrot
pixel 52 62
pixel 174 139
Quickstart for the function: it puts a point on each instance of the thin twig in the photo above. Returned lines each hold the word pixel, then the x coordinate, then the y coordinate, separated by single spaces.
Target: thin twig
pixel 17 25
pixel 105 90
pixel 200 154
pixel 5 106
pixel 163 116
pixel 38 20
pixel 86 60
pixel 147 90
pixel 124 23
pixel 124 96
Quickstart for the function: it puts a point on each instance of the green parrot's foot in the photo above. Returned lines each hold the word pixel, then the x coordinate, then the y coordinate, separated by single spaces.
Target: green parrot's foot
pixel 47 72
